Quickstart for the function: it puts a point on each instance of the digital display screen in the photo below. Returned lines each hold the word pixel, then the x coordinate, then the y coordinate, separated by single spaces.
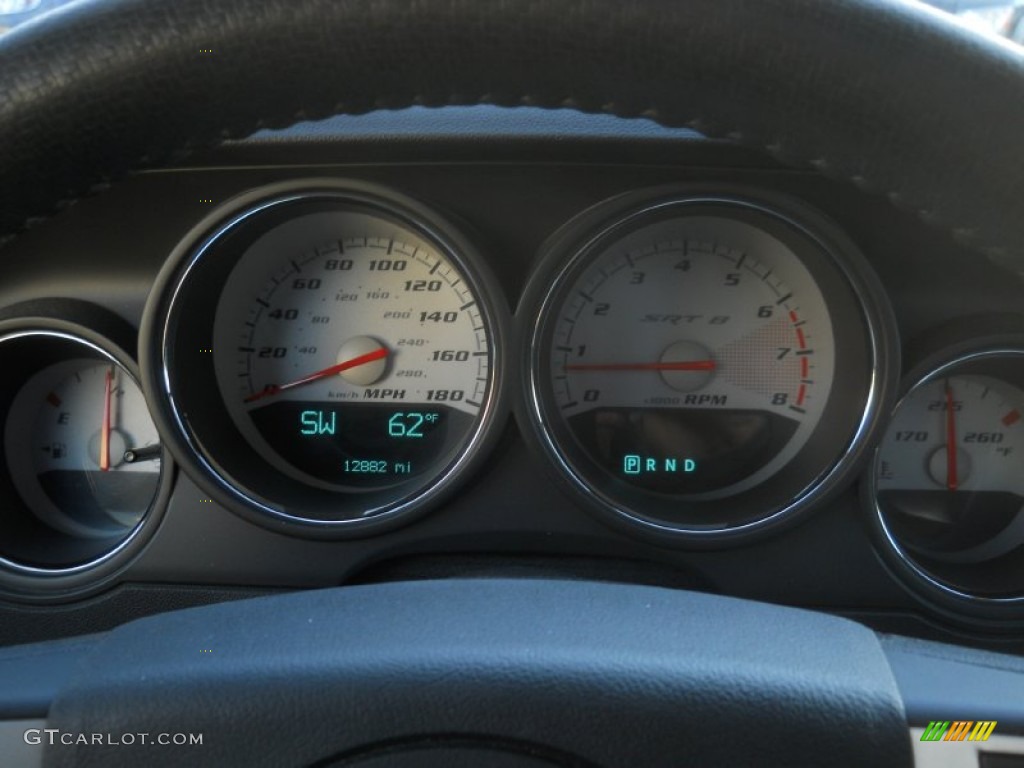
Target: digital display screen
pixel 681 451
pixel 360 445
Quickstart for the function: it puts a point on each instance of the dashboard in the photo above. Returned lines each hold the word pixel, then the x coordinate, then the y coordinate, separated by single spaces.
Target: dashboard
pixel 630 355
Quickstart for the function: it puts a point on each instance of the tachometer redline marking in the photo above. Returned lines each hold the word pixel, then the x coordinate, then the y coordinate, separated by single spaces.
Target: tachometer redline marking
pixel 355 362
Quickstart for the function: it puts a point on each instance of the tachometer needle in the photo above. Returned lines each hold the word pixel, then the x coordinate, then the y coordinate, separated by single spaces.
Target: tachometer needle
pixel 355 362
pixel 951 469
pixel 687 365
pixel 105 429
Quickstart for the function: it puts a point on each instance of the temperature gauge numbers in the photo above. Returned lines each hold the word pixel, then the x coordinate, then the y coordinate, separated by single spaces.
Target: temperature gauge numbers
pixel 83 452
pixel 361 363
pixel 962 433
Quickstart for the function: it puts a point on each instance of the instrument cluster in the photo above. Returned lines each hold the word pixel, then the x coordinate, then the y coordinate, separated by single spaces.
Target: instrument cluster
pixel 698 367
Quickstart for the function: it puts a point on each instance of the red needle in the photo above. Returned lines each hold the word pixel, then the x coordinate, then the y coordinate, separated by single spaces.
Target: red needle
pixel 105 431
pixel 355 362
pixel 951 478
pixel 689 365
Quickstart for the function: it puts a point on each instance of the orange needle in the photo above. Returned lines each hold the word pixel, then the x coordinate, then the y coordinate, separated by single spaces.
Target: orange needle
pixel 105 431
pixel 951 478
pixel 355 362
pixel 690 365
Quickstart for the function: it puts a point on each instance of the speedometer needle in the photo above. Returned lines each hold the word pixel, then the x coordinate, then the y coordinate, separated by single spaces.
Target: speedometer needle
pixel 951 469
pixel 688 365
pixel 355 362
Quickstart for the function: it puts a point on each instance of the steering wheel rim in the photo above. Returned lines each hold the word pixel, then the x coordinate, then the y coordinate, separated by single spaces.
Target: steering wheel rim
pixel 877 92
pixel 890 96
pixel 493 672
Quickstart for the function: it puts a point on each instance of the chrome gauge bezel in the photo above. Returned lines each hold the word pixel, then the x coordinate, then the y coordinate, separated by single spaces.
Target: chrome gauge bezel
pixel 973 356
pixel 36 583
pixel 291 506
pixel 563 258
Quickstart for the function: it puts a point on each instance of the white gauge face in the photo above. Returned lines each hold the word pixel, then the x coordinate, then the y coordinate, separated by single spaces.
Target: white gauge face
pixel 360 362
pixel 949 475
pixel 693 356
pixel 959 434
pixel 83 450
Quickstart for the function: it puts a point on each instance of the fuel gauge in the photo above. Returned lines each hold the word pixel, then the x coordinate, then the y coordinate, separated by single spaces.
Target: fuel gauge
pixel 949 476
pixel 84 479
pixel 83 451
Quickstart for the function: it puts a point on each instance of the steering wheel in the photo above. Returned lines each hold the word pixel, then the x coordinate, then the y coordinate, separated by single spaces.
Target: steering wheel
pixel 887 95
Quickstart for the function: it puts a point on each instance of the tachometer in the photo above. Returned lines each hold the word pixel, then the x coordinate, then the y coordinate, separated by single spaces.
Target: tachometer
pixel 351 339
pixel 715 389
pixel 702 367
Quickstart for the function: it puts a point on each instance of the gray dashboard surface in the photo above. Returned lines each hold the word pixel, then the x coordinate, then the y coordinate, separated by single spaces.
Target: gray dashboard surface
pixel 579 668
pixel 200 668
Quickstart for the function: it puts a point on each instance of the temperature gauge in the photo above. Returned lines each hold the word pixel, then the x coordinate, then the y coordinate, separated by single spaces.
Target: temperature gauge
pixel 83 451
pixel 949 476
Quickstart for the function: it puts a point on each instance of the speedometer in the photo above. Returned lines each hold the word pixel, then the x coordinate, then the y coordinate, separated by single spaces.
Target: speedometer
pixel 704 367
pixel 351 339
pixel 358 362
